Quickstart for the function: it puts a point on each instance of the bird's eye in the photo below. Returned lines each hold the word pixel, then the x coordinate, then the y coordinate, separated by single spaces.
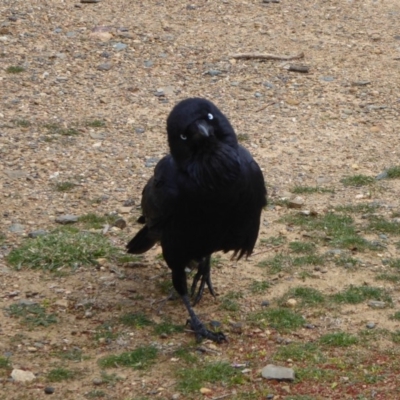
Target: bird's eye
pixel 183 137
pixel 210 116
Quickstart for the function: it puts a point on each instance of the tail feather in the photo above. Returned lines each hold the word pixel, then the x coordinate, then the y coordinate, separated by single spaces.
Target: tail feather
pixel 141 242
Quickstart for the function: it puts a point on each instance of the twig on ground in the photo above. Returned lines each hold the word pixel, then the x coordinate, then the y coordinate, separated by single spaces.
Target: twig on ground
pixel 221 397
pixel 267 56
pixel 266 106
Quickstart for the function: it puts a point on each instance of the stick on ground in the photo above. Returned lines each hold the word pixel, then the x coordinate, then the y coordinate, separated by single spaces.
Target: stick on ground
pixel 260 56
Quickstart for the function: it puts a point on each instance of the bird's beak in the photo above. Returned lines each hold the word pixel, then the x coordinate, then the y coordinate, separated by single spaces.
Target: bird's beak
pixel 203 128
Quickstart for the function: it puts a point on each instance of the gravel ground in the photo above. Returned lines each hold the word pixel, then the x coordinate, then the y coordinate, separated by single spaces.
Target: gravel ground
pixel 88 105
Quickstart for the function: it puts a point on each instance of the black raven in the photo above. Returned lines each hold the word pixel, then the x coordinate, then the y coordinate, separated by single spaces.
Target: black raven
pixel 205 196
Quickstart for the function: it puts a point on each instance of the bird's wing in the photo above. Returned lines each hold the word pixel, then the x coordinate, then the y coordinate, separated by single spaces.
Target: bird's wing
pixel 160 194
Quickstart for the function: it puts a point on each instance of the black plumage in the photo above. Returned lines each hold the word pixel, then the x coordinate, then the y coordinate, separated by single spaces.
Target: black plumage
pixel 205 196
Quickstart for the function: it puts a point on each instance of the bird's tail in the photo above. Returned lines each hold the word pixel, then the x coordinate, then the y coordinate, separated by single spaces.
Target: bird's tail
pixel 141 242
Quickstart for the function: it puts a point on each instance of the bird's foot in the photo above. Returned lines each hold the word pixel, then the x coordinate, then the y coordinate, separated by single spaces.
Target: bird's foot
pixel 202 332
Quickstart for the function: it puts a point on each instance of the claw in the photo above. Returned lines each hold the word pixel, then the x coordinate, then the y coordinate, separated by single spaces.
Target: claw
pixel 199 329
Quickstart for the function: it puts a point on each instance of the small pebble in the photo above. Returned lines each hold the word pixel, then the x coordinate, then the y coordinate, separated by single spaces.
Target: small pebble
pixel 49 390
pixel 265 303
pixel 371 325
pixel 215 324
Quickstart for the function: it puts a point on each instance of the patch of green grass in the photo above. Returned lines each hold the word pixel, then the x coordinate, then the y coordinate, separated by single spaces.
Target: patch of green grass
pixel 339 229
pixel 362 208
pixel 31 314
pixel 242 137
pixel 60 374
pixel 338 339
pixel 95 394
pixel 299 352
pixel 105 331
pixel 358 294
pixel 302 247
pixel 95 123
pixel 282 202
pixel 396 337
pixel 64 186
pixel 357 180
pixel 229 301
pixel 140 358
pixel 23 123
pixel 110 379
pixel 345 261
pixel 125 258
pixel 56 129
pixel 61 249
pixel 259 286
pixel 135 320
pixel 14 69
pixel 375 334
pixel 393 172
pixel 383 225
pixel 310 259
pixel 167 327
pixel 311 373
pixel 276 263
pixel 193 379
pixel 74 354
pixel 4 363
pixel 95 221
pixel 186 355
pixel 273 241
pixel 396 316
pixel 310 190
pixel 281 319
pixel 308 296
pixel 388 277
pixel 166 286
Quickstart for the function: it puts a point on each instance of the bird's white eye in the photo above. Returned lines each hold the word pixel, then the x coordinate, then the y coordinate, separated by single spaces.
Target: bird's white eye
pixel 210 116
pixel 183 137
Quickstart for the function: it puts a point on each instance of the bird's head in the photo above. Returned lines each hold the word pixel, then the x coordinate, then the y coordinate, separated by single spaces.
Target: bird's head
pixel 196 125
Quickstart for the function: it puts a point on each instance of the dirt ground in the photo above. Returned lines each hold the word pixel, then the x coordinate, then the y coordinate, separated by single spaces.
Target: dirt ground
pixel 127 63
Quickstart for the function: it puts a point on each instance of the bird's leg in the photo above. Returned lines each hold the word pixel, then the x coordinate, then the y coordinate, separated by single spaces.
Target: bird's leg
pixel 203 272
pixel 198 327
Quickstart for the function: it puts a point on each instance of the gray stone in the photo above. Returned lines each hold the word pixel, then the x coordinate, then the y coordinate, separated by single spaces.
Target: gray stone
pixel 279 373
pixel 26 302
pixel 148 63
pixel 327 78
pixel 71 34
pixel 151 162
pixel 39 232
pixel 49 390
pixel 371 325
pixel 16 228
pixel 265 303
pixel 360 83
pixel 104 67
pixel 213 72
pixel 120 46
pixel 377 304
pixel 139 130
pixel 98 135
pixel 97 381
pixel 16 174
pixel 19 375
pixel 382 175
pixel 215 324
pixel 67 219
pixel 120 223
